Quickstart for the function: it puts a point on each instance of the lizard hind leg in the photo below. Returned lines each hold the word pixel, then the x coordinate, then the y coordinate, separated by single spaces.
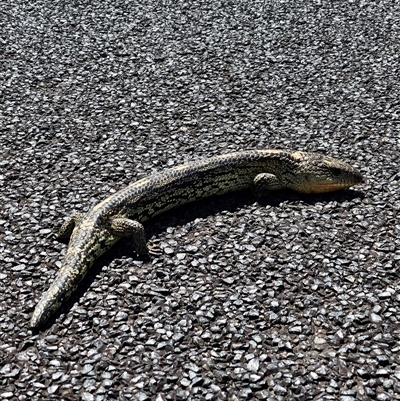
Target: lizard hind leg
pixel 65 231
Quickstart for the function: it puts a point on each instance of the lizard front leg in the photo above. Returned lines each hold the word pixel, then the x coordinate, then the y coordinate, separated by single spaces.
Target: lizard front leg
pixel 130 228
pixel 265 183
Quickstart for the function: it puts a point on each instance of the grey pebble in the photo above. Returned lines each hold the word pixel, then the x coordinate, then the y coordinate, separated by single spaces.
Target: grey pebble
pixel 279 390
pixel 253 364
pixel 6 394
pixel 87 396
pixel 382 372
pixel 375 318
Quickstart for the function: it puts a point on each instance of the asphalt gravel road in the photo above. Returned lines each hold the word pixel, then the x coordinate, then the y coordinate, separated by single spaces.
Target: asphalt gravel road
pixel 292 297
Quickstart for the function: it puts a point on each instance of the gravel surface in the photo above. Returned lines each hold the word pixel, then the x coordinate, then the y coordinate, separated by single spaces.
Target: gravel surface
pixel 295 297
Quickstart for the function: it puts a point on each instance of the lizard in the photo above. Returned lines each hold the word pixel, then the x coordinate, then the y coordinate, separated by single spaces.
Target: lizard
pixel 122 214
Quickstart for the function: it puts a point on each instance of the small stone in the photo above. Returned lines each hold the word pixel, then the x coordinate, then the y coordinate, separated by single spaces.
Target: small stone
pixel 52 389
pixel 382 372
pixel 375 318
pixel 388 383
pixel 253 364
pixel 254 378
pixel 87 368
pixel 197 381
pixel 295 329
pixel 191 248
pixel 228 280
pixel 7 394
pixel 272 367
pixel 185 382
pixel 363 373
pixel 319 340
pixel 87 396
pixel 169 251
pixel 279 389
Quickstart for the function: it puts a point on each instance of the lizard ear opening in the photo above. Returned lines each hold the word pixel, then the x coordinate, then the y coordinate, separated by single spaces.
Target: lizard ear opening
pixel 335 171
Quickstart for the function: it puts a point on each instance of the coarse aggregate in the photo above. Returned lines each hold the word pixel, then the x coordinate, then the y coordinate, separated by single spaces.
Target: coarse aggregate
pixel 292 297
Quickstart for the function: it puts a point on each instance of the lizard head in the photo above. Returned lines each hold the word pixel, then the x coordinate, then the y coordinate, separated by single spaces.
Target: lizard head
pixel 317 173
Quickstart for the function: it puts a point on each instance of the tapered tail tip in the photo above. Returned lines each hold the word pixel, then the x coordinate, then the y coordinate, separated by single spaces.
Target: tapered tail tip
pixel 37 320
pixel 42 312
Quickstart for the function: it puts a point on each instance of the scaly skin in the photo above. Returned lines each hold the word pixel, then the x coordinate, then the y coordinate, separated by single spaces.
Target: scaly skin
pixel 121 214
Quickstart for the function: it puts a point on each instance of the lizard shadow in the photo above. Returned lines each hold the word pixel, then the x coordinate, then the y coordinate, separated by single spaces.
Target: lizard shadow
pixel 187 213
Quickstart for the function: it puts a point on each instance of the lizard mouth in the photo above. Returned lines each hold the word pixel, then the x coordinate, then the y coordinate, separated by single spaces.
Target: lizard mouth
pixel 327 186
